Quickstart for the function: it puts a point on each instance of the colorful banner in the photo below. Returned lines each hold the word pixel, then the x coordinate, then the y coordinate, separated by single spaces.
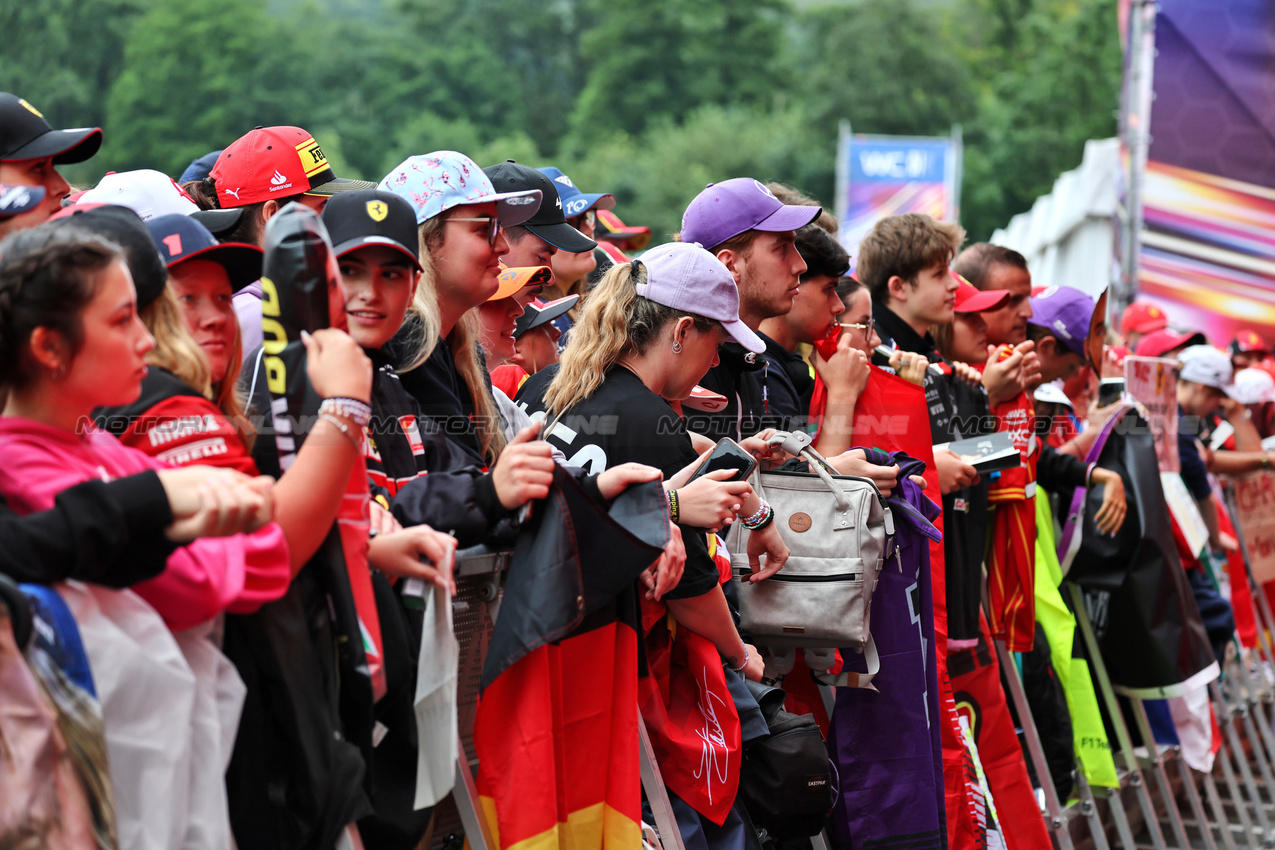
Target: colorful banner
pixel 890 175
pixel 1255 499
pixel 1208 253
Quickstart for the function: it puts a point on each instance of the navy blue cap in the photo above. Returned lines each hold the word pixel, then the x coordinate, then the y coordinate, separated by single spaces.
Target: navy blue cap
pixel 180 238
pixel 199 168
pixel 15 200
pixel 574 201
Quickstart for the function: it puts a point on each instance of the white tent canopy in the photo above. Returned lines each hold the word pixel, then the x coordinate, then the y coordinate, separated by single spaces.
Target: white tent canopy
pixel 1069 236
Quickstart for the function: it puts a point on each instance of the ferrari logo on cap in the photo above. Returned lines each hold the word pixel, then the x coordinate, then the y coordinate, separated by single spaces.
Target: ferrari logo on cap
pixel 377 210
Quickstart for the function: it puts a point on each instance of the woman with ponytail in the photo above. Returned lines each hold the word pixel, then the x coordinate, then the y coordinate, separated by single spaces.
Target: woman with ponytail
pixel 647 334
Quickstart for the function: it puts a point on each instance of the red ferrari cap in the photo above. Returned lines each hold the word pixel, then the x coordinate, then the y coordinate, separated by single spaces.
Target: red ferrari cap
pixel 1143 318
pixel 275 162
pixel 970 299
pixel 1249 340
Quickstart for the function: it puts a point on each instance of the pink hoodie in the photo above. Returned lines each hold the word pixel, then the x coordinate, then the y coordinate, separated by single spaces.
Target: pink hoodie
pixel 238 574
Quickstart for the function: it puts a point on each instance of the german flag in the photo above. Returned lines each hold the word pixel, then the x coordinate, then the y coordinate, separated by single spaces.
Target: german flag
pixel 556 730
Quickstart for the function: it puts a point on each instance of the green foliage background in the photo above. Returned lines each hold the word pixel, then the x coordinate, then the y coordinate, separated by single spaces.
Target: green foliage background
pixel 648 99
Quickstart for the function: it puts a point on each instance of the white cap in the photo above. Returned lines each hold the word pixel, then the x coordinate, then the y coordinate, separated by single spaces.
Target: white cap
pixel 1052 393
pixel 1206 365
pixel 148 193
pixel 1253 386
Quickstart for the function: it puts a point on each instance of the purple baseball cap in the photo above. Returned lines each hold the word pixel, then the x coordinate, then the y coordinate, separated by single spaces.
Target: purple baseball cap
pixel 684 276
pixel 1065 313
pixel 724 210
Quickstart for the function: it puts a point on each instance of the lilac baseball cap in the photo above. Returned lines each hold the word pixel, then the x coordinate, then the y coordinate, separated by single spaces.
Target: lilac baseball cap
pixel 435 182
pixel 684 276
pixel 724 210
pixel 1065 313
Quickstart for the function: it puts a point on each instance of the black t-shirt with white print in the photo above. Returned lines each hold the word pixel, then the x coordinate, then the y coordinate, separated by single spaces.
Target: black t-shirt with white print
pixel 624 422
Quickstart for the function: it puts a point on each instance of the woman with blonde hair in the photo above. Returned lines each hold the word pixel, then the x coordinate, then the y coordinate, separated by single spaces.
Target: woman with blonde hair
pixel 460 224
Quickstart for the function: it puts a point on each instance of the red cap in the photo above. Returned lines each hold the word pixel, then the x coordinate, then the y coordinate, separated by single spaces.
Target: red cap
pixel 275 162
pixel 1249 340
pixel 1143 318
pixel 969 299
pixel 1155 344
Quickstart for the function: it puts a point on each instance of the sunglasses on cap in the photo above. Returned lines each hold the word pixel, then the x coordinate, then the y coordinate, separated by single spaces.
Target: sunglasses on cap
pixel 493 225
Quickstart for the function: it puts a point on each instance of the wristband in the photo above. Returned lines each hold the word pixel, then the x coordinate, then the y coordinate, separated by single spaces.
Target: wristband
pixel 345 429
pixel 1266 460
pixel 358 412
pixel 765 514
pixel 1089 475
pixel 743 665
pixel 673 512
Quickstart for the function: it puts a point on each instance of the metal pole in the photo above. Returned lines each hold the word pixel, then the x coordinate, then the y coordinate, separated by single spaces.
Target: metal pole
pixel 1053 809
pixel 1155 763
pixel 1136 132
pixel 842 170
pixel 1125 744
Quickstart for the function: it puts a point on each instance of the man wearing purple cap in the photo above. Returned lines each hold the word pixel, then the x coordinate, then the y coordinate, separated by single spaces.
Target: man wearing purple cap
pixel 753 234
pixel 1059 325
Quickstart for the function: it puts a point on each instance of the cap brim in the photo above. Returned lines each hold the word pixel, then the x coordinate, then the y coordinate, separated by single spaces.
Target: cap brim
pixel 337 185
pixel 788 217
pixel 241 261
pixel 363 241
pixel 983 301
pixel 604 201
pixel 219 221
pixel 514 279
pixel 564 237
pixel 513 208
pixel 745 336
pixel 65 146
pixel 547 313
pixel 15 200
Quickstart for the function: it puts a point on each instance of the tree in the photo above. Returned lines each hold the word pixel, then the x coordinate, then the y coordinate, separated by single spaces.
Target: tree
pixel 198 75
pixel 886 67
pixel 503 65
pixel 1051 87
pixel 664 58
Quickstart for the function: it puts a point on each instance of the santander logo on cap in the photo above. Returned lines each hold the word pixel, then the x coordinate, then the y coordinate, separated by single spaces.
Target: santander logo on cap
pixel 278 179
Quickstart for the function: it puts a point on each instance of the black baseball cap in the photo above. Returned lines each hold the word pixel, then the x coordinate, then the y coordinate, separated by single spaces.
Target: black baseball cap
pixel 371 217
pixel 548 223
pixel 15 200
pixel 24 134
pixel 126 229
pixel 179 238
pixel 539 313
pixel 219 222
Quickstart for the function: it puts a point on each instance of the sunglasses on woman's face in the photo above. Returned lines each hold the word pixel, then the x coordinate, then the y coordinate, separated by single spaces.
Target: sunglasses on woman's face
pixel 493 225
pixel 588 219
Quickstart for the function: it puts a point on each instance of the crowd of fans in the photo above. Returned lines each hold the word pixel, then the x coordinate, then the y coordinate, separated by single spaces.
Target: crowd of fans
pixel 480 315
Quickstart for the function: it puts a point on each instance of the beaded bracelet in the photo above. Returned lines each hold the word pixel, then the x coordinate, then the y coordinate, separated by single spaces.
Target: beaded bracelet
pixel 672 505
pixel 770 517
pixel 743 665
pixel 358 412
pixel 759 520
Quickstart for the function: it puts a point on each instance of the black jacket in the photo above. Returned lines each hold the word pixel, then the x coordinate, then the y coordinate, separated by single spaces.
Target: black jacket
pixel 110 534
pixel 744 379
